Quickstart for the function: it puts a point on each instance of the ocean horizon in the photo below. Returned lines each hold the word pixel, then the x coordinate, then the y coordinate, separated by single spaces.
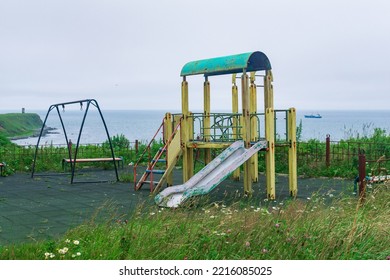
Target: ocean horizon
pixel 141 125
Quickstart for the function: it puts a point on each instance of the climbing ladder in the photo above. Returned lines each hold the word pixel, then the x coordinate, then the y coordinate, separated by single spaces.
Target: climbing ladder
pixel 159 169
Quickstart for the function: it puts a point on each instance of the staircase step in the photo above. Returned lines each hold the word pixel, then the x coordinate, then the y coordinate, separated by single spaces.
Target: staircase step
pixel 159 160
pixel 155 171
pixel 148 182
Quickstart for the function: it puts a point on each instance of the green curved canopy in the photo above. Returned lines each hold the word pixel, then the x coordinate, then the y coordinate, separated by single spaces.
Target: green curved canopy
pixel 253 61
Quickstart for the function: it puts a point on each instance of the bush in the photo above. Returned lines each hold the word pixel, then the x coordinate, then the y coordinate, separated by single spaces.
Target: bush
pixel 118 142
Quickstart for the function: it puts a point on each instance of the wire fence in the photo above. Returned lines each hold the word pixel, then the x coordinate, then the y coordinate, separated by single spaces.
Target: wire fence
pixel 311 155
pixel 20 158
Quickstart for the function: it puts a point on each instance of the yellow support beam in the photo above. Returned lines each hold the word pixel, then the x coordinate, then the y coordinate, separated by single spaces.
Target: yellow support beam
pixel 270 155
pixel 268 90
pixel 246 135
pixel 269 134
pixel 254 132
pixel 235 129
pixel 292 152
pixel 206 120
pixel 191 162
pixel 208 145
pixel 168 129
pixel 185 133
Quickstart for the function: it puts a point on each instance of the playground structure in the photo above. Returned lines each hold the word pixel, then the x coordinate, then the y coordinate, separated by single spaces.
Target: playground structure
pixel 185 133
pixel 72 160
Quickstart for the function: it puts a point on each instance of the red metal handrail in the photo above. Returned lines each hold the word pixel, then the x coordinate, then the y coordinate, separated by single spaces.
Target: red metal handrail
pixel 150 165
pixel 143 153
pixel 164 148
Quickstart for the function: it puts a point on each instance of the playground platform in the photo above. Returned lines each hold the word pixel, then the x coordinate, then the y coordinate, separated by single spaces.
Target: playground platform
pixel 46 207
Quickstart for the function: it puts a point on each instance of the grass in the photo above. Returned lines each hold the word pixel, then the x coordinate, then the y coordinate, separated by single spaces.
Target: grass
pixel 321 227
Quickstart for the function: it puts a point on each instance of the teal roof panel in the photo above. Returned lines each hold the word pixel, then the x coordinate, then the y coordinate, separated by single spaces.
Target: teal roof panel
pixel 253 61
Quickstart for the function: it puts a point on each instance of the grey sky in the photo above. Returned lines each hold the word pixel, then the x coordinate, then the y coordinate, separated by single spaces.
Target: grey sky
pixel 128 54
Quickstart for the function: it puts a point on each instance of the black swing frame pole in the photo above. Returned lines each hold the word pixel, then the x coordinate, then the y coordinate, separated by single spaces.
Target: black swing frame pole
pixel 73 162
pixel 94 102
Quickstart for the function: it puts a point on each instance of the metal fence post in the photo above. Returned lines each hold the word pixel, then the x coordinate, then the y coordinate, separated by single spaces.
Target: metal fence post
pixel 362 176
pixel 327 152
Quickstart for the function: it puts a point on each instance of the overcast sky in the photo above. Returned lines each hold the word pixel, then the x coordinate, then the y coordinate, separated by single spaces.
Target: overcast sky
pixel 127 54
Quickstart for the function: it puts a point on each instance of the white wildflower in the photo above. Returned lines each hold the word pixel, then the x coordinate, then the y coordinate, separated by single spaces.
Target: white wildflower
pixel 63 251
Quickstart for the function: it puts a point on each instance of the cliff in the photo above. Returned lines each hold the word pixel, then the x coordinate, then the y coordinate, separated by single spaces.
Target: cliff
pixel 16 125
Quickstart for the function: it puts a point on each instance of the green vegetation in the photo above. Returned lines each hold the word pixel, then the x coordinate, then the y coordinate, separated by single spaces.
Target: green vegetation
pixel 323 227
pixel 49 158
pixel 344 155
pixel 118 142
pixel 4 141
pixel 311 155
pixel 19 125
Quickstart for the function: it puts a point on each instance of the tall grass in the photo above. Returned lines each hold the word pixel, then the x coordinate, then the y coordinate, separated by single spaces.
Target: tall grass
pixel 322 227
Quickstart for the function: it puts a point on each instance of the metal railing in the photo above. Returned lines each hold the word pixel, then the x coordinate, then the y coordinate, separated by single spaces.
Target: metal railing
pixel 20 157
pixel 227 127
pixel 223 127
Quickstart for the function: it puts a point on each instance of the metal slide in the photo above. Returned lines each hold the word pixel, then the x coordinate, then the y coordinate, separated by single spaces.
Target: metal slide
pixel 210 176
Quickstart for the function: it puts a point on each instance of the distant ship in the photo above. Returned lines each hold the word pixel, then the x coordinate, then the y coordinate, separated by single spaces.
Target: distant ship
pixel 316 116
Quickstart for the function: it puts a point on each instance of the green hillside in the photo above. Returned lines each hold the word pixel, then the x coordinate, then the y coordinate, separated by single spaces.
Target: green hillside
pixel 15 125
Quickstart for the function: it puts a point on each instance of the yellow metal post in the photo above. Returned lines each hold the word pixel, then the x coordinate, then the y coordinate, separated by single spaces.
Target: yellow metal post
pixel 206 119
pixel 191 162
pixel 246 136
pixel 168 129
pixel 185 134
pixel 269 134
pixel 254 133
pixel 292 152
pixel 235 129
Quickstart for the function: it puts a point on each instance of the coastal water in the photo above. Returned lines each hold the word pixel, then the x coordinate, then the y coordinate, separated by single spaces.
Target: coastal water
pixel 142 125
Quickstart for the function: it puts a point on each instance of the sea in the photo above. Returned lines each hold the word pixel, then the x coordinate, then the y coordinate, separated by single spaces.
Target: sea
pixel 142 125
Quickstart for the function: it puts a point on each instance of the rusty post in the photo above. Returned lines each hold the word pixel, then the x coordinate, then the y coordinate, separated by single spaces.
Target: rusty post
pixel 327 152
pixel 362 176
pixel 70 146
